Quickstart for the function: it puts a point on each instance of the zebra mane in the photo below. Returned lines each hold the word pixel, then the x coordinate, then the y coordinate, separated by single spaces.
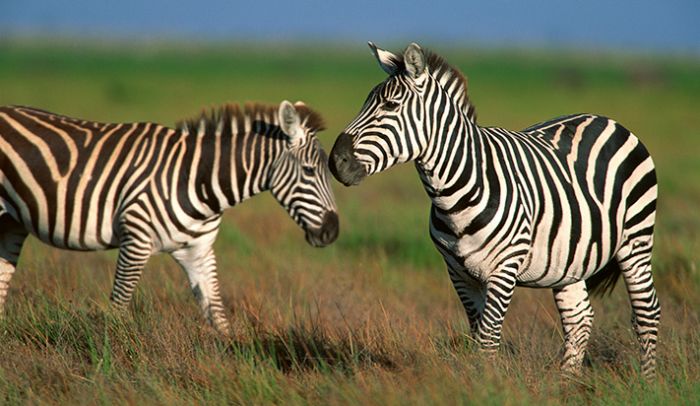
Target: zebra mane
pixel 454 82
pixel 252 113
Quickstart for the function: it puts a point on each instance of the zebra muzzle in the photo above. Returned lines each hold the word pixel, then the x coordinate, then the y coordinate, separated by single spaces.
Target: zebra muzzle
pixel 343 164
pixel 325 234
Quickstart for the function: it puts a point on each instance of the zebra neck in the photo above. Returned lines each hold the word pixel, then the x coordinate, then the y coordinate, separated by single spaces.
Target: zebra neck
pixel 234 167
pixel 451 166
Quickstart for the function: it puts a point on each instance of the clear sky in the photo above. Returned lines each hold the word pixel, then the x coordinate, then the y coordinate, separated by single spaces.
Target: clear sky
pixel 641 25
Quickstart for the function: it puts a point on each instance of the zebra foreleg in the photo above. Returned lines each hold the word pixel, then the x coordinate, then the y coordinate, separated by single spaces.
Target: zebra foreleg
pixel 576 316
pixel 635 261
pixel 499 292
pixel 12 236
pixel 133 255
pixel 472 294
pixel 199 262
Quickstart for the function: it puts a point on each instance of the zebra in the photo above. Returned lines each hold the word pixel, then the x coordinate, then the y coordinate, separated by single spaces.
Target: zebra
pixel 145 188
pixel 567 204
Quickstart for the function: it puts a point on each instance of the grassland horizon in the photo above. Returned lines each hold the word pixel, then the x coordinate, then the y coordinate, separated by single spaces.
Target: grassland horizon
pixel 372 319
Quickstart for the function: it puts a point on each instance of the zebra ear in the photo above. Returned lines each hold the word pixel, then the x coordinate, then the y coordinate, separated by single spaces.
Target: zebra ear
pixel 414 59
pixel 387 60
pixel 290 122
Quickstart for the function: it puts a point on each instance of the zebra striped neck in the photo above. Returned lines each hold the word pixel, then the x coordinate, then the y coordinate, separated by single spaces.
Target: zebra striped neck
pixel 240 150
pixel 451 164
pixel 235 155
pixel 453 82
pixel 450 79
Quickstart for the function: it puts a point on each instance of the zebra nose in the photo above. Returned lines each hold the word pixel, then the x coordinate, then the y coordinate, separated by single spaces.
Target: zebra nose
pixel 343 164
pixel 330 228
pixel 327 233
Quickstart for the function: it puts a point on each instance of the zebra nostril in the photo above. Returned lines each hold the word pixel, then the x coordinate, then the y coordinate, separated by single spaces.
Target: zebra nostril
pixel 330 228
pixel 343 164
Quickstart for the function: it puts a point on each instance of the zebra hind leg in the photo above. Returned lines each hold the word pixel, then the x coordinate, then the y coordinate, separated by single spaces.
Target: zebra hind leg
pixel 12 236
pixel 199 262
pixel 576 316
pixel 634 259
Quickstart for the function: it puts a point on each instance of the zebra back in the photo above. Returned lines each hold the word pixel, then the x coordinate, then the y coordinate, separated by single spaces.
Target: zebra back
pixel 71 182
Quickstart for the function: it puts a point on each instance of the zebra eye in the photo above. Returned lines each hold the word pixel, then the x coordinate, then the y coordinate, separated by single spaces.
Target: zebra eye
pixel 308 170
pixel 391 105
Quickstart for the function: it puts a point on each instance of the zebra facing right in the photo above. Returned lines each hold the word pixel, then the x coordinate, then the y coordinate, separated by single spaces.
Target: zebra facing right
pixel 568 204
pixel 145 188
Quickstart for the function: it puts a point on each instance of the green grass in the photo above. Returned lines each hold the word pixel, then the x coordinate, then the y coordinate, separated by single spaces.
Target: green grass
pixel 373 318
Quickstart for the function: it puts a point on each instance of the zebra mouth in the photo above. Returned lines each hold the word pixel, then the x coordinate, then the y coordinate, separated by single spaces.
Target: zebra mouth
pixel 343 164
pixel 327 233
pixel 349 179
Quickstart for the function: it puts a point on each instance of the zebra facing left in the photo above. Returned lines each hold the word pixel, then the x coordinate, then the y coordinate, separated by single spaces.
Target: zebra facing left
pixel 568 204
pixel 146 188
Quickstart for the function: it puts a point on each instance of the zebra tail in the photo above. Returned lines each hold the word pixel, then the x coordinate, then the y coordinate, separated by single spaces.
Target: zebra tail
pixel 603 282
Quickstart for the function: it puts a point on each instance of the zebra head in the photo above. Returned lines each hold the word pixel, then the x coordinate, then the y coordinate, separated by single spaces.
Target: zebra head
pixel 300 180
pixel 393 125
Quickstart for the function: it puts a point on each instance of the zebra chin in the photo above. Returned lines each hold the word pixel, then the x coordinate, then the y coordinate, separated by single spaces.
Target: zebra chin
pixel 343 164
pixel 327 233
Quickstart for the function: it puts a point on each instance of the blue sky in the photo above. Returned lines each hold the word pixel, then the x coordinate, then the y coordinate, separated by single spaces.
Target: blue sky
pixel 643 25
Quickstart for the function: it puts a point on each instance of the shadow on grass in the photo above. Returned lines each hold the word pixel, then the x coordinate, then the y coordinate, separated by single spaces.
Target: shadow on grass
pixel 310 345
pixel 614 351
pixel 299 349
pixel 99 340
pixel 104 340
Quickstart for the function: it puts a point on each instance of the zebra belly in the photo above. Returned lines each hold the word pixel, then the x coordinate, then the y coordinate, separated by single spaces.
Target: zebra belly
pixel 549 262
pixel 57 233
pixel 77 240
pixel 559 262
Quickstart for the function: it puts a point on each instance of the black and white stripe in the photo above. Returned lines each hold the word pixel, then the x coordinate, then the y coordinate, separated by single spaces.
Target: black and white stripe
pixel 559 205
pixel 146 188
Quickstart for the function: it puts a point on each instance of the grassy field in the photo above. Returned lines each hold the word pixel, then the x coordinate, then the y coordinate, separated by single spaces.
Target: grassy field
pixel 372 319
